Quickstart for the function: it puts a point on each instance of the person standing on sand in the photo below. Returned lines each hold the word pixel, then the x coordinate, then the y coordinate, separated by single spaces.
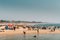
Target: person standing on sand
pixel 24 35
pixel 37 30
pixel 54 28
pixel 24 32
pixel 14 28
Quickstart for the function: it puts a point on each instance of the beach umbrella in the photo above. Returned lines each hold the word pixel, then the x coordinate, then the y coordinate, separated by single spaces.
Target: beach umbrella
pixel 10 25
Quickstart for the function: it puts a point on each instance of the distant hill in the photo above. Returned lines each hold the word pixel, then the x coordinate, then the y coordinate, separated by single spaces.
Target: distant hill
pixel 7 21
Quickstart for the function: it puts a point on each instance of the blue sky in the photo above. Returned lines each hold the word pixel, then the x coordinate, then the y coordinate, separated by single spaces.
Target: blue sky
pixel 30 10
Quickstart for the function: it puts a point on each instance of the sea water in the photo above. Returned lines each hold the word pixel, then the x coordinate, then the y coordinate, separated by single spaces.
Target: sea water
pixel 47 25
pixel 30 37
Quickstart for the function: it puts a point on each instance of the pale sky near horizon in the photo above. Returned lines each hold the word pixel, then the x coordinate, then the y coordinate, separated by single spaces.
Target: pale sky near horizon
pixel 30 10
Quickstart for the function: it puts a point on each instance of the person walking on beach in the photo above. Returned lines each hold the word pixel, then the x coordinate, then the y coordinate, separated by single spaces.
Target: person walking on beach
pixel 24 35
pixel 24 32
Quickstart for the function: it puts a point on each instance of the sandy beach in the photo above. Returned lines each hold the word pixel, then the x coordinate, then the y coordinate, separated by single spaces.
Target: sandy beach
pixel 20 31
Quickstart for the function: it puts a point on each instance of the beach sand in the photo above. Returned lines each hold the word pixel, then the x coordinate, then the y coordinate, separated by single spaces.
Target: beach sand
pixel 20 31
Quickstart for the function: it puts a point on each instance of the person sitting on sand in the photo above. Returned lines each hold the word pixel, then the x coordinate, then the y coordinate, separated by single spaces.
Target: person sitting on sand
pixel 53 29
